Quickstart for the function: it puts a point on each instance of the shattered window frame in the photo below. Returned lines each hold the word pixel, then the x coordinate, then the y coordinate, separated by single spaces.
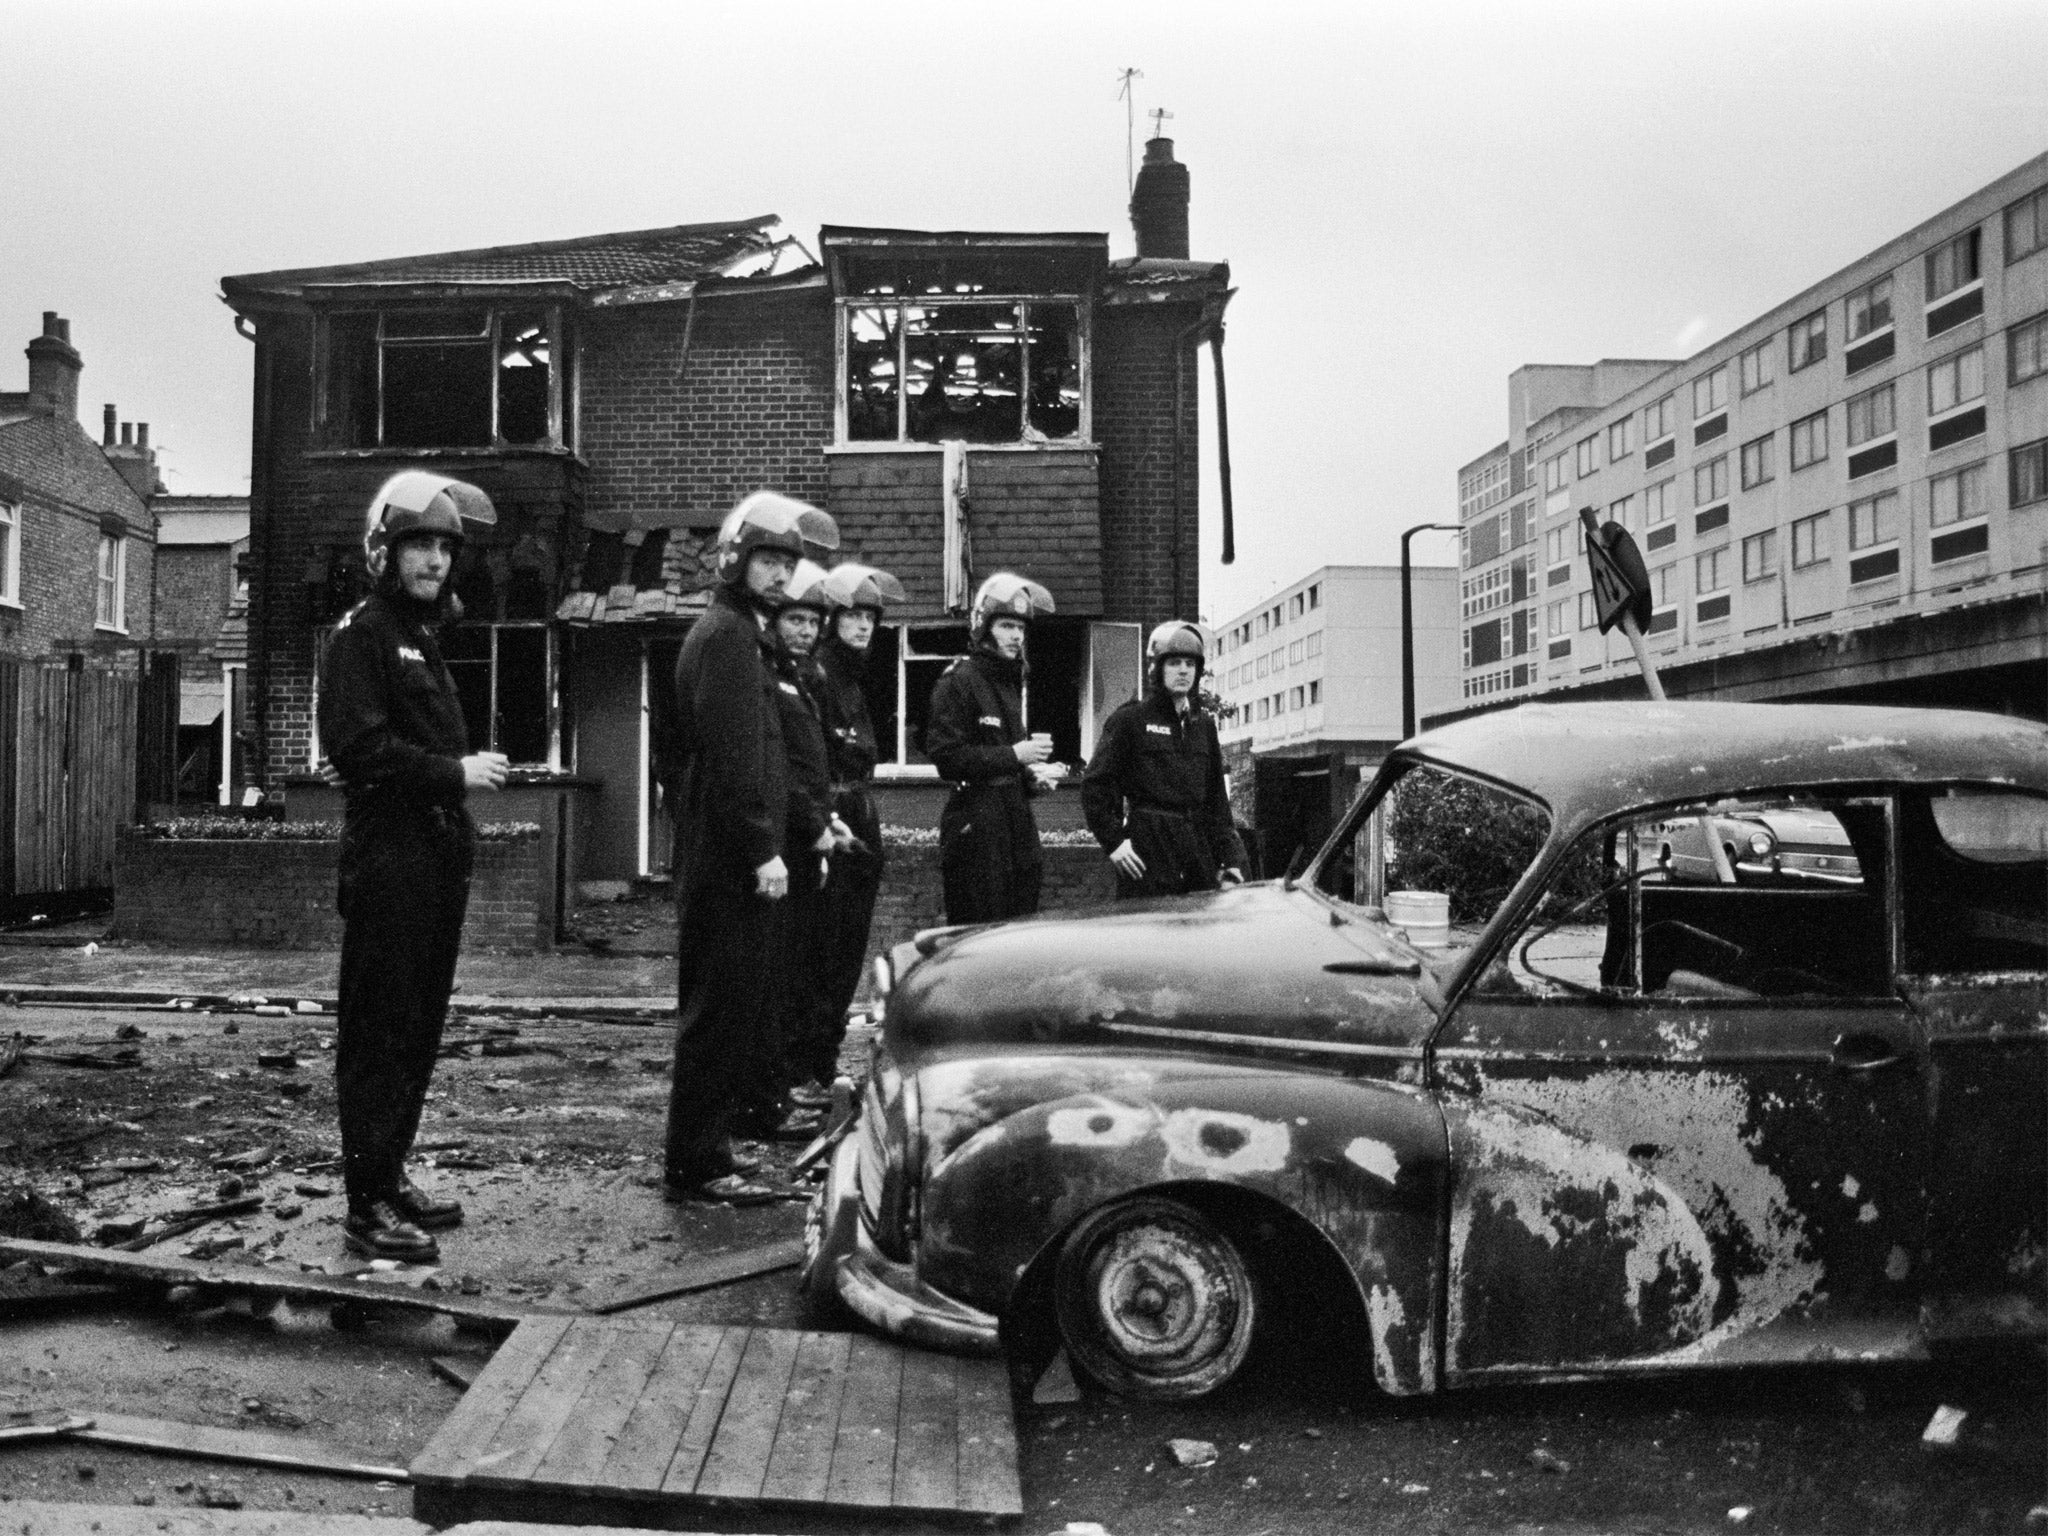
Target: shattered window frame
pixel 538 723
pixel 360 391
pixel 898 316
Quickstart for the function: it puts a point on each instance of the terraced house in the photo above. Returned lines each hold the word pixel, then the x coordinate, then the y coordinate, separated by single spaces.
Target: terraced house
pixel 1847 498
pixel 961 402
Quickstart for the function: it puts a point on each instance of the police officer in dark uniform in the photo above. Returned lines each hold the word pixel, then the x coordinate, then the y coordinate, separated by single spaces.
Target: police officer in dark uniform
pixel 811 835
pixel 974 735
pixel 856 596
pixel 392 727
pixel 1153 793
pixel 730 874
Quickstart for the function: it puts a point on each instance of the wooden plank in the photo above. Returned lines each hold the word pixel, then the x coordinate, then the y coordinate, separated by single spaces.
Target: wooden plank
pixel 864 1445
pixel 206 1443
pixel 707 1274
pixel 586 1441
pixel 544 1408
pixel 927 1434
pixel 707 1413
pixel 155 1269
pixel 485 1405
pixel 988 1440
pixel 688 1373
pixel 52 1426
pixel 800 1461
pixel 738 1462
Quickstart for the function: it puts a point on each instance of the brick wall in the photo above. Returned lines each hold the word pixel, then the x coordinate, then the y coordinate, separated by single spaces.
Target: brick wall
pixel 1135 364
pixel 278 893
pixel 193 585
pixel 913 892
pixel 675 441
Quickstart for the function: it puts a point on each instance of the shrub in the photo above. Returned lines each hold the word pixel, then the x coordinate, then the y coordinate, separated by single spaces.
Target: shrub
pixel 1464 839
pixel 251 829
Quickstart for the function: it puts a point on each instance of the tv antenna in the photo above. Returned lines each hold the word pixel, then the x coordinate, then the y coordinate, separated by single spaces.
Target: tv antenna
pixel 1130 100
pixel 1160 118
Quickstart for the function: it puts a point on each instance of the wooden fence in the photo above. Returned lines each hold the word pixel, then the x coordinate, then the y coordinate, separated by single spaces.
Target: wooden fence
pixel 67 775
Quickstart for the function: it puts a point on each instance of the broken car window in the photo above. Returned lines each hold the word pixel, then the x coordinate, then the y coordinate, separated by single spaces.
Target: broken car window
pixel 1973 881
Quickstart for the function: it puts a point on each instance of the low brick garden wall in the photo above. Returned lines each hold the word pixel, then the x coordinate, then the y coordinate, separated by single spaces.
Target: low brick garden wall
pixel 278 892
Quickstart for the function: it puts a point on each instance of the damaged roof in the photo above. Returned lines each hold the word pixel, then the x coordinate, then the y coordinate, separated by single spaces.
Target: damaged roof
pixel 1590 760
pixel 682 253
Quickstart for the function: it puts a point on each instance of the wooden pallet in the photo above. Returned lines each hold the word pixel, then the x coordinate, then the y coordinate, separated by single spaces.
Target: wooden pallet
pixel 592 1420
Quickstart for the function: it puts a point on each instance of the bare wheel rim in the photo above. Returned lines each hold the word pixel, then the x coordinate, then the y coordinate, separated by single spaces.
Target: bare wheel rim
pixel 1153 1301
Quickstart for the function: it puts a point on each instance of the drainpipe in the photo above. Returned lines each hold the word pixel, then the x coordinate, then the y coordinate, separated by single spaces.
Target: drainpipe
pixel 1208 326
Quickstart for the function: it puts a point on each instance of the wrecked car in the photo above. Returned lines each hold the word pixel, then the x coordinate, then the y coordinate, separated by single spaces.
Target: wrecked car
pixel 1629 1120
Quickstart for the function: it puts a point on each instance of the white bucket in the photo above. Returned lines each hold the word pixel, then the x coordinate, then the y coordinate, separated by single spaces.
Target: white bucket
pixel 1425 916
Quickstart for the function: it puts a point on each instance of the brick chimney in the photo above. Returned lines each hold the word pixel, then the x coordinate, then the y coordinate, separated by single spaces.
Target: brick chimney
pixel 1159 203
pixel 131 456
pixel 54 365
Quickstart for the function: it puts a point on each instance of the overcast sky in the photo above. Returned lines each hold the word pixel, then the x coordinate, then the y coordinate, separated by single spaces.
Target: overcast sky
pixel 1414 199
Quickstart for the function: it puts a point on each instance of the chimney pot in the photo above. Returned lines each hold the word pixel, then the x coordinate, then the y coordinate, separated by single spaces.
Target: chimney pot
pixel 142 435
pixel 53 366
pixel 127 434
pixel 1159 203
pixel 109 419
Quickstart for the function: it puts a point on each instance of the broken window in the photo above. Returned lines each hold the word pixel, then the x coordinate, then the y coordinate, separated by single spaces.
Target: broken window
pixel 467 377
pixel 909 660
pixel 980 371
pixel 503 674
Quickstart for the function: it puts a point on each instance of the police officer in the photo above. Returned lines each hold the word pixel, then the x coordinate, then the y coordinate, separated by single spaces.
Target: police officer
pixel 730 873
pixel 392 727
pixel 974 734
pixel 811 834
pixel 857 595
pixel 1153 793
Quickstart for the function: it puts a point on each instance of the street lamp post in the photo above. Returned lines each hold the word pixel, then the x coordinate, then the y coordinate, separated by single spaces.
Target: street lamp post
pixel 1408 627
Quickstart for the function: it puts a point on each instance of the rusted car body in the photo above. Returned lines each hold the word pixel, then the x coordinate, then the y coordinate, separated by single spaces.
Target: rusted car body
pixel 1752 1125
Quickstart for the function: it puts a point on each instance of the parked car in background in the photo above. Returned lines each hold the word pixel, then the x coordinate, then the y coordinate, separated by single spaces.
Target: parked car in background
pixel 1782 843
pixel 1626 1123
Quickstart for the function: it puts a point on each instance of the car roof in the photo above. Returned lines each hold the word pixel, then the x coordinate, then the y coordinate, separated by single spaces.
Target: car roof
pixel 1589 760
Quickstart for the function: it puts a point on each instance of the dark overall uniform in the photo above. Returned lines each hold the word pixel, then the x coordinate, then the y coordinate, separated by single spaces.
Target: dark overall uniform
pixel 988 838
pixel 1157 779
pixel 798 969
pixel 732 803
pixel 856 875
pixel 391 723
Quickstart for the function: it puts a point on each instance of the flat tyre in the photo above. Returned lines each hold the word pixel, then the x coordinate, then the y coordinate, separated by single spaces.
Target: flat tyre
pixel 1153 1301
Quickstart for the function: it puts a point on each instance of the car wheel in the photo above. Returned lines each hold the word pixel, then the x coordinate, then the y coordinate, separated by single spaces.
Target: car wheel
pixel 1153 1302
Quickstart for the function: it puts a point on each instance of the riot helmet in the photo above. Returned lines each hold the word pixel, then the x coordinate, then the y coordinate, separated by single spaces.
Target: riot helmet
pixel 770 520
pixel 416 502
pixel 850 584
pixel 1007 595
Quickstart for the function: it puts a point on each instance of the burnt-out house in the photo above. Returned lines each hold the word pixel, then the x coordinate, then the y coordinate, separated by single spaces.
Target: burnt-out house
pixel 961 402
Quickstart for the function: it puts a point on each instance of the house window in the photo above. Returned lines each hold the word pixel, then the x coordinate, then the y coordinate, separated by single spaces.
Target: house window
pixel 1664 598
pixel 1760 555
pixel 2026 350
pixel 1315 691
pixel 1660 503
pixel 1806 341
pixel 1557 618
pixel 1620 439
pixel 2027 469
pixel 1953 265
pixel 1870 415
pixel 1956 497
pixel 112 607
pixel 1809 439
pixel 1315 597
pixel 1874 520
pixel 1314 646
pixel 1955 380
pixel 1554 477
pixel 1710 392
pixel 1710 570
pixel 1870 309
pixel 501 672
pixel 1589 611
pixel 1297 698
pixel 2026 226
pixel 1622 511
pixel 1754 367
pixel 924 370
pixel 1294 653
pixel 1710 481
pixel 1557 544
pixel 1298 605
pixel 1588 455
pixel 10 554
pixel 1809 541
pixel 468 377
pixel 1660 418
pixel 1758 460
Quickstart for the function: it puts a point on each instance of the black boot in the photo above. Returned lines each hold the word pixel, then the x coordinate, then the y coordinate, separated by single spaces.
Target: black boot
pixel 380 1231
pixel 424 1211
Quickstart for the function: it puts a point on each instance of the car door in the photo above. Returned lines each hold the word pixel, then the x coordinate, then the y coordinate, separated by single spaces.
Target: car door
pixel 1973 878
pixel 1687 1122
